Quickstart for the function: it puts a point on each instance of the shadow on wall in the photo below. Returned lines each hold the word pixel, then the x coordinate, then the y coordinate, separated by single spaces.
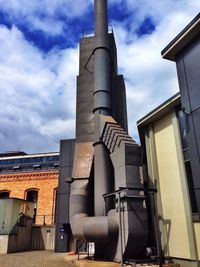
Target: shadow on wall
pixel 43 238
pixel 156 220
pixel 167 229
pixel 20 241
pixel 29 237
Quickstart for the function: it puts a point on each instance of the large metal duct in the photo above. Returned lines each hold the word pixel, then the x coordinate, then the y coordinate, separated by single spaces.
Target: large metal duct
pixel 102 164
pixel 121 228
pixel 100 228
pixel 101 59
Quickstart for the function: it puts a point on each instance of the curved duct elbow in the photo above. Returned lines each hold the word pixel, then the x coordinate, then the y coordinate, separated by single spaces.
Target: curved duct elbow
pixel 77 223
pixel 78 211
pixel 98 229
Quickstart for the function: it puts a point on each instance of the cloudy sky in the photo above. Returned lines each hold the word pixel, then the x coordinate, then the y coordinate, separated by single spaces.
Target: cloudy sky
pixel 39 62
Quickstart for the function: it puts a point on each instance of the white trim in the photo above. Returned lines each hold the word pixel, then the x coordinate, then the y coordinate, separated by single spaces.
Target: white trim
pixel 169 54
pixel 31 155
pixel 156 111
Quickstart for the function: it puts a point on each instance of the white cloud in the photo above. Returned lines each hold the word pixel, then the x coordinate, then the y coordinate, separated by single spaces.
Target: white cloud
pixel 150 80
pixel 47 25
pixel 44 15
pixel 37 90
pixel 24 8
pixel 37 94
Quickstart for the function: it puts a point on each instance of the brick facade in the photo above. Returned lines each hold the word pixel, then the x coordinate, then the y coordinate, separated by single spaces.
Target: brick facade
pixel 45 182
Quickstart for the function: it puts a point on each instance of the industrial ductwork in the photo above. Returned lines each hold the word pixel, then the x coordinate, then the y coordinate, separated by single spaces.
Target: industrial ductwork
pixel 104 208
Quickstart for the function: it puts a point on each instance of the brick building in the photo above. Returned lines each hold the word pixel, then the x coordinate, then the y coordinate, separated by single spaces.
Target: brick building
pixel 33 177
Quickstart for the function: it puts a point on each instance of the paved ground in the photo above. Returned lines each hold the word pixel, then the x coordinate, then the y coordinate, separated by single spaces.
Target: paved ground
pixel 49 259
pixel 34 259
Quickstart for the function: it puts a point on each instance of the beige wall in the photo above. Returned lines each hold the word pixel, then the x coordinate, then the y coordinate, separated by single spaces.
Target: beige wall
pixel 197 234
pixel 175 208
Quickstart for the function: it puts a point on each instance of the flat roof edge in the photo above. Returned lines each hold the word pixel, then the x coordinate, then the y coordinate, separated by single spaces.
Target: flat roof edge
pixel 31 155
pixel 182 39
pixel 169 103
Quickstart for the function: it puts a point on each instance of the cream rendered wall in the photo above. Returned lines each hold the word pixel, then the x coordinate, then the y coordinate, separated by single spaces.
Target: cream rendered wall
pixel 179 242
pixel 197 234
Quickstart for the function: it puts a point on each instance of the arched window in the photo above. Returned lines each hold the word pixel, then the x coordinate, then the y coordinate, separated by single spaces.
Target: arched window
pixel 4 194
pixel 32 196
pixel 55 196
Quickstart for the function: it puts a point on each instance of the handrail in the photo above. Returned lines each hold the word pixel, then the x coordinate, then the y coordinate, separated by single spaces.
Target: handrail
pixel 125 189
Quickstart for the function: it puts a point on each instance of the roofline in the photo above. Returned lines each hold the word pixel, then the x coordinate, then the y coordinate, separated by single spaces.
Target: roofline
pixel 182 39
pixel 31 155
pixel 160 110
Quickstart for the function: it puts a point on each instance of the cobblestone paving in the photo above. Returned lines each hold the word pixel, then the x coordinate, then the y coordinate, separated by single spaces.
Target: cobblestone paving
pixel 34 259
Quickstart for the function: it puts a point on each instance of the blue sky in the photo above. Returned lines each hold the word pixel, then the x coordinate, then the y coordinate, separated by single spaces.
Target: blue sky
pixel 39 63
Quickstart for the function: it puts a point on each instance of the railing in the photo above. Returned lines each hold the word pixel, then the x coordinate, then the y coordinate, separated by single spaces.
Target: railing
pixel 84 247
pixel 90 31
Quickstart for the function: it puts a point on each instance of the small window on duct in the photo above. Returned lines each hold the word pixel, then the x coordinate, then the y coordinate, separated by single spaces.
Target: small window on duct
pixel 4 194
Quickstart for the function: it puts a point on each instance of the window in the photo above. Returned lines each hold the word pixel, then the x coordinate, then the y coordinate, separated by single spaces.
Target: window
pixel 4 194
pixel 32 196
pixel 183 132
pixel 55 197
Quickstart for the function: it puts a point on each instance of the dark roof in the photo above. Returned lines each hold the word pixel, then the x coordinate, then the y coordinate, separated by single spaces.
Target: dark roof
pixel 12 154
pixel 182 39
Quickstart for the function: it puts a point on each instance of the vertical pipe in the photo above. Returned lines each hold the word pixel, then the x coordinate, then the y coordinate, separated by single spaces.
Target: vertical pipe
pixel 156 226
pixel 77 245
pixel 102 175
pixel 120 229
pixel 101 59
pixel 101 103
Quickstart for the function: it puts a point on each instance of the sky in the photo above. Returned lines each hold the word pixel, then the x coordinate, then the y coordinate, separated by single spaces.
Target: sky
pixel 39 53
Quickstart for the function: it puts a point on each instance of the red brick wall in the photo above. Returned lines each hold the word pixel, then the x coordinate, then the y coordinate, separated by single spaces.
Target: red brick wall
pixel 45 182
